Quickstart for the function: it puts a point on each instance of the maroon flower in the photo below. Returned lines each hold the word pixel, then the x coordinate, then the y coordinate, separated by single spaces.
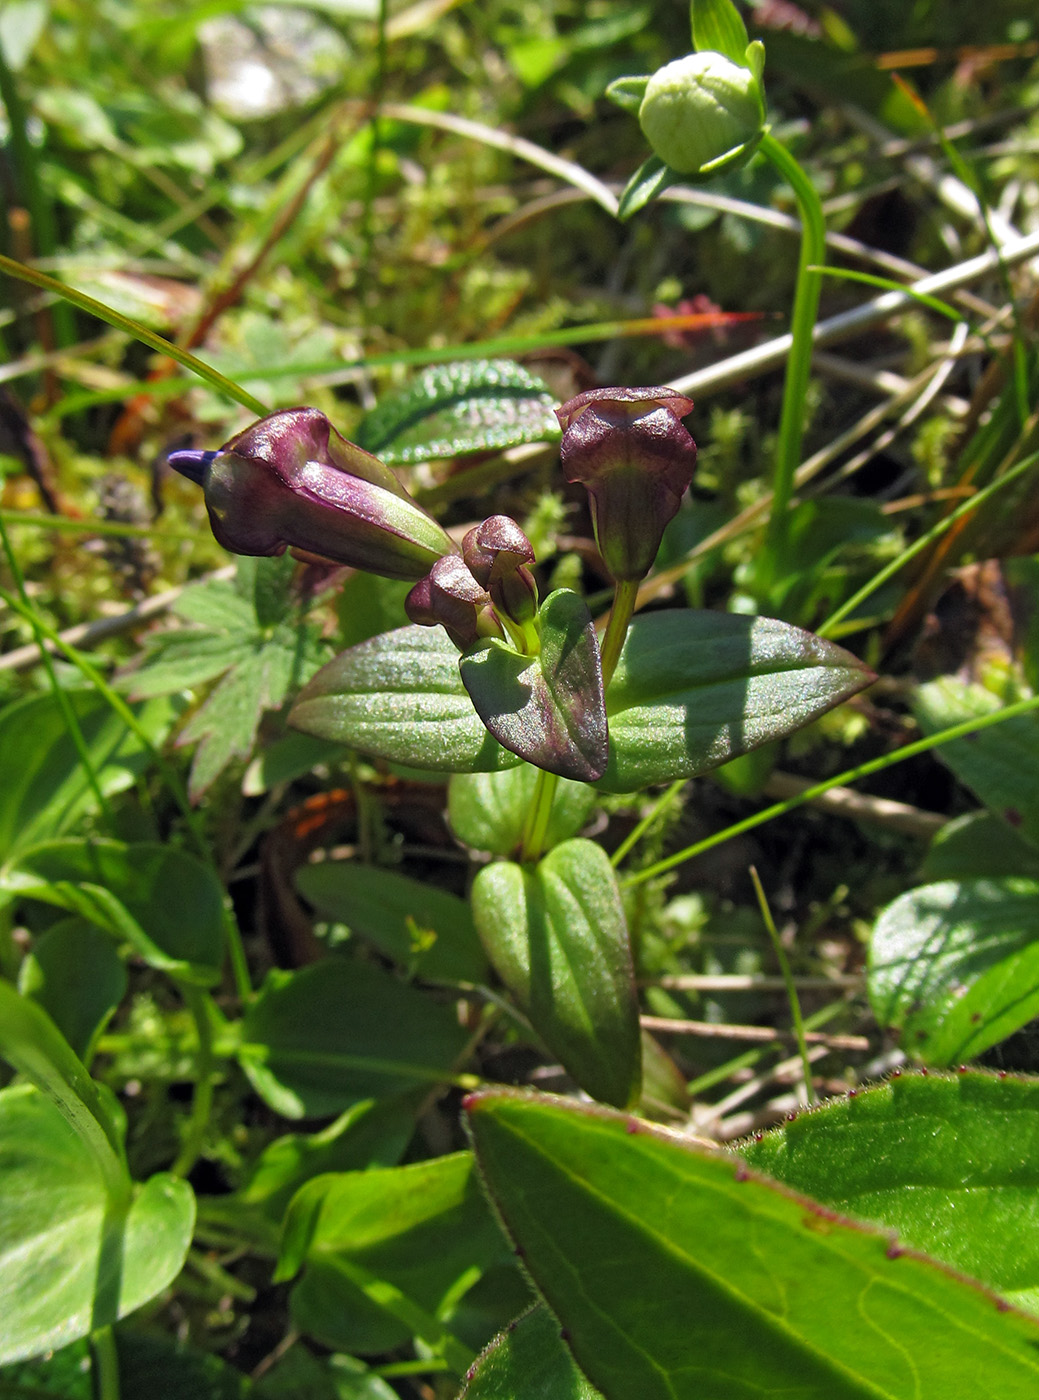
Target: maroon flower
pixel 636 458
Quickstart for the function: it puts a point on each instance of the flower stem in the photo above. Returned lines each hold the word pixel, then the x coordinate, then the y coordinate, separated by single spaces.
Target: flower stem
pixel 106 1364
pixel 624 599
pixel 197 1003
pixel 538 816
pixel 798 365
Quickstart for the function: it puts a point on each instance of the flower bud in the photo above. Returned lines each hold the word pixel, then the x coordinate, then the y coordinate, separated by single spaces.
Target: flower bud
pixel 636 458
pixel 497 553
pixel 703 113
pixel 292 480
pixel 449 595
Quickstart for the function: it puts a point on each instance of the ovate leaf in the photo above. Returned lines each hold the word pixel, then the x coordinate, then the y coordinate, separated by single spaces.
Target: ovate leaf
pixel 400 697
pixel 528 1358
pixel 680 1275
pixel 694 689
pixel 558 939
pixel 548 709
pixel 947 1161
pixel 74 972
pixel 316 1041
pixel 470 406
pixel 954 966
pixel 488 811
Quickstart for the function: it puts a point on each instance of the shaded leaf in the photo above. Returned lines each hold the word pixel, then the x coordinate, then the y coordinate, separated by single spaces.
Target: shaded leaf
pixel 558 938
pixel 427 930
pixel 488 811
pixel 315 1041
pixel 979 845
pixel 948 1162
pixel 528 1358
pixel 695 689
pixel 954 967
pixel 469 406
pixel 400 697
pixel 548 709
pixel 74 972
pixel 681 1276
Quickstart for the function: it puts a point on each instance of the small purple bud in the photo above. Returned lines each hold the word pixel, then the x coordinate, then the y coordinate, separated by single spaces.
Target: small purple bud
pixel 636 458
pixel 497 553
pixel 449 595
pixel 292 480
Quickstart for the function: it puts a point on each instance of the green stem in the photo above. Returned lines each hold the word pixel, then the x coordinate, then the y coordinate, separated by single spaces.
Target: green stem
pixel 799 362
pixel 106 1364
pixel 850 775
pixel 536 827
pixel 624 600
pixel 197 1003
pixel 788 982
pixel 657 810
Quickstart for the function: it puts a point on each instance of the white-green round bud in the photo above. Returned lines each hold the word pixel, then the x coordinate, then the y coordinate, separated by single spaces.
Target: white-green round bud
pixel 702 113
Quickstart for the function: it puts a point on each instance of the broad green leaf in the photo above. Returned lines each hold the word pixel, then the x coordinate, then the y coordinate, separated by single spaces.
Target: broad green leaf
pixel 954 967
pixel 43 789
pixel 168 905
pixel 528 1358
pixel 281 761
pixel 548 709
pixel 558 939
pixel 947 1161
pixel 300 1375
pixel 421 1229
pixel 488 811
pixel 979 845
pixel 400 697
pixel 429 931
pixel 74 972
pixel 469 406
pixel 1000 764
pixel 66 1374
pixel 694 689
pixel 316 1041
pixel 69 1263
pixel 718 26
pixel 679 1275
pixel 152 1366
pixel 651 178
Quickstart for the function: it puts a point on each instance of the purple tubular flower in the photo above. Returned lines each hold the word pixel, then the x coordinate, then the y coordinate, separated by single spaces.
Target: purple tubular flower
pixel 450 595
pixel 292 480
pixel 636 458
pixel 497 553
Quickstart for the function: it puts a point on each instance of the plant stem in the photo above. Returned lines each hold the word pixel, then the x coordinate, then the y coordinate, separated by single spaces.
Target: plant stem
pixel 850 775
pixel 106 1364
pixel 788 982
pixel 536 826
pixel 637 832
pixel 624 599
pixel 799 362
pixel 197 1003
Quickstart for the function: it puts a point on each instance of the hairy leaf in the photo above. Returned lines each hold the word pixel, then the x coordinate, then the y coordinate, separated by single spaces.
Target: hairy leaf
pixel 528 1358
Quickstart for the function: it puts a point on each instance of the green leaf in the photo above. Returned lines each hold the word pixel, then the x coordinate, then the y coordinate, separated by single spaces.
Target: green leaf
pixel 316 1041
pixel 75 974
pixel 68 1263
pixel 43 788
pixel 548 709
pixel 718 26
pixel 694 689
pixel 947 1161
pixel 954 967
pixel 679 1275
pixel 979 845
pixel 1000 764
pixel 468 406
pixel 168 905
pixel 488 811
pixel 651 178
pixel 628 93
pixel 558 939
pixel 419 1229
pixel 427 930
pixel 400 697
pixel 22 22
pixel 60 1375
pixel 152 1366
pixel 528 1358
pixel 300 1375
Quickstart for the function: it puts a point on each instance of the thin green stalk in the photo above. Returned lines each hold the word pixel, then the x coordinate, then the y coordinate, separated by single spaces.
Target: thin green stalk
pixel 788 981
pixel 64 704
pixel 936 531
pixel 213 377
pixel 197 1002
pixel 67 524
pixel 637 832
pixel 624 600
pixel 799 363
pixel 236 950
pixel 850 775
pixel 106 1364
pixel 538 816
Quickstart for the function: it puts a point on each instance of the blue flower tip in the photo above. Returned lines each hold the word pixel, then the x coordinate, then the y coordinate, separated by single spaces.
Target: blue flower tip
pixel 192 463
